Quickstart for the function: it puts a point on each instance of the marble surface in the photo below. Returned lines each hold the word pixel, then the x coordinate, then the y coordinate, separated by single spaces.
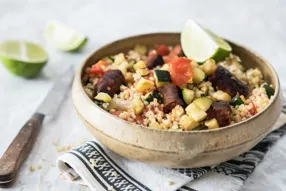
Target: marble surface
pixel 259 24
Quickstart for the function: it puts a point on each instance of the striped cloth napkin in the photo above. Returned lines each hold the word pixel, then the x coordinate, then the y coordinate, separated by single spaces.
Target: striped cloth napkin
pixel 93 165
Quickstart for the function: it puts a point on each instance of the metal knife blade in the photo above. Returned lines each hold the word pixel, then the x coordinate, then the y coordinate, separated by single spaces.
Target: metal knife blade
pixel 54 98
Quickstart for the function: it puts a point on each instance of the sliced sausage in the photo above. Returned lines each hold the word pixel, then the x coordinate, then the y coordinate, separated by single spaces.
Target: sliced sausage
pixel 224 80
pixel 154 60
pixel 221 111
pixel 171 97
pixel 110 82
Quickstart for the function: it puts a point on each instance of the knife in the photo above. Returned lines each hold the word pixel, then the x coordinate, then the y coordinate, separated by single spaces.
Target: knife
pixel 18 150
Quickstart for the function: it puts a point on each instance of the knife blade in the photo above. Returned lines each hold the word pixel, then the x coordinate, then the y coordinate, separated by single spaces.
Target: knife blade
pixel 18 150
pixel 54 98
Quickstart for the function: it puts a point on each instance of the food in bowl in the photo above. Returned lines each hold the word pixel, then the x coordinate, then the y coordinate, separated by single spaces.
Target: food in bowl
pixel 160 88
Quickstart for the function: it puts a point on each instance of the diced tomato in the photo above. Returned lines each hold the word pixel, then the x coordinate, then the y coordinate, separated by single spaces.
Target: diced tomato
pixel 169 58
pixel 174 54
pixel 253 110
pixel 163 50
pixel 139 119
pixel 116 113
pixel 97 69
pixel 180 70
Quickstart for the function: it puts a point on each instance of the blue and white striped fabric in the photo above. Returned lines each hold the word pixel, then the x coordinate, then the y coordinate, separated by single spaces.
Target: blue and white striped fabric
pixel 101 169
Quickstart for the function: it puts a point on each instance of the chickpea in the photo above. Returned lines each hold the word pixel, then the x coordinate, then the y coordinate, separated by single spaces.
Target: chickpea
pixel 209 67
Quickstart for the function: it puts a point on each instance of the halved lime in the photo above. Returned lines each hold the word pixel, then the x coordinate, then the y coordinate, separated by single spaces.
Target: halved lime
pixel 63 37
pixel 22 58
pixel 201 44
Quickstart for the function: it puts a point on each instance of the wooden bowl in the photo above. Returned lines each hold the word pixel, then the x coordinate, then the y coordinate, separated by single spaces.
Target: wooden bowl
pixel 174 149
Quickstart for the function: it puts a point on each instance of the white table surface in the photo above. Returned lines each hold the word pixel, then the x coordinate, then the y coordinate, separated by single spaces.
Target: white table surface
pixel 259 24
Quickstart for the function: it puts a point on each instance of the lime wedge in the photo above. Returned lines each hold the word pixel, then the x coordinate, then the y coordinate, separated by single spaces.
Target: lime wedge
pixel 22 58
pixel 63 37
pixel 201 44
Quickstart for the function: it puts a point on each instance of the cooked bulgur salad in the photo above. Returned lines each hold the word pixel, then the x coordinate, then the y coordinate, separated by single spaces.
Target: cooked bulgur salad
pixel 160 88
pixel 202 85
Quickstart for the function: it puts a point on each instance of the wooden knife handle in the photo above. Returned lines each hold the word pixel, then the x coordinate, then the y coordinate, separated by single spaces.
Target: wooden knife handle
pixel 19 149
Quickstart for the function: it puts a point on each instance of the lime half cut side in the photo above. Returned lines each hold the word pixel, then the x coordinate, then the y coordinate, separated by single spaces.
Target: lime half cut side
pixel 63 37
pixel 201 44
pixel 22 58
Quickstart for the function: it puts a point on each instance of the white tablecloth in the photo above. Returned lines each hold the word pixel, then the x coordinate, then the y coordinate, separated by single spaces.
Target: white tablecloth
pixel 259 24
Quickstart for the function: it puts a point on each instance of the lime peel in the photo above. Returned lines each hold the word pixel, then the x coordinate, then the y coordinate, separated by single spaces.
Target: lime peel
pixel 63 37
pixel 201 44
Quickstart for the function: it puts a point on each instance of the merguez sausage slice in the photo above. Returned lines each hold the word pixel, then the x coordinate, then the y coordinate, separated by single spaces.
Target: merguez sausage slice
pixel 171 97
pixel 110 82
pixel 154 60
pixel 224 80
pixel 221 111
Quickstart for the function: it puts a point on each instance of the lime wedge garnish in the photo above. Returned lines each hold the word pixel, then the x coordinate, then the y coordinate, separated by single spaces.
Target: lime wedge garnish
pixel 22 58
pixel 63 37
pixel 201 44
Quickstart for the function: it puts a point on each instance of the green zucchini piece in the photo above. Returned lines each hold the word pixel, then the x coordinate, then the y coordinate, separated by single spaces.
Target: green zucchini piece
pixel 152 96
pixel 149 97
pixel 139 65
pixel 137 105
pixel 196 112
pixel 198 75
pixel 236 101
pixel 141 68
pixel 162 77
pixel 269 90
pixel 98 102
pixel 203 102
pixel 103 97
pixel 158 96
pixel 188 95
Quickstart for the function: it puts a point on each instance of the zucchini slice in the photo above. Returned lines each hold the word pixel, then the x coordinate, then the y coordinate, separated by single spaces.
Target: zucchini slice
pixel 188 95
pixel 188 123
pixel 236 101
pixel 153 95
pixel 137 105
pixel 198 75
pixel 149 97
pixel 144 85
pixel 269 90
pixel 104 97
pixel 162 77
pixel 203 102
pixel 141 68
pixel 212 124
pixel 196 112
